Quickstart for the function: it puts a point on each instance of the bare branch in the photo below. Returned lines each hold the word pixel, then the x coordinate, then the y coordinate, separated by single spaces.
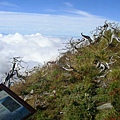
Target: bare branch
pixel 87 37
pixel 16 64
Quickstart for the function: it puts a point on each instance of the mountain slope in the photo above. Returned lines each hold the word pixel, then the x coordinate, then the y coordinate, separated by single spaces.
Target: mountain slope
pixel 76 87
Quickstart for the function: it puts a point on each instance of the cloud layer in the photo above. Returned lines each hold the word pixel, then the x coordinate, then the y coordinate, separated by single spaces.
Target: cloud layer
pixel 22 40
pixel 5 3
pixel 71 23
pixel 35 49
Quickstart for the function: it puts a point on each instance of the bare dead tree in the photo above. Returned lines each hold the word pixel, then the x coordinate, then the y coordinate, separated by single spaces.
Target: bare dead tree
pixel 50 63
pixel 73 46
pixel 115 35
pixel 99 32
pixel 16 66
pixel 87 37
pixel 67 65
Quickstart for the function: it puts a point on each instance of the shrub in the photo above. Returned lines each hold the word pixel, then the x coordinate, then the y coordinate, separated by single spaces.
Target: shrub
pixel 115 95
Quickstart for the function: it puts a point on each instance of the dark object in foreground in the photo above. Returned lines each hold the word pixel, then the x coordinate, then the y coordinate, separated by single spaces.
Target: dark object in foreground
pixel 12 107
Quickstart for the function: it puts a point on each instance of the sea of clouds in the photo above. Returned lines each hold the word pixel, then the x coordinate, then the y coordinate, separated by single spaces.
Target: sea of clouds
pixel 34 49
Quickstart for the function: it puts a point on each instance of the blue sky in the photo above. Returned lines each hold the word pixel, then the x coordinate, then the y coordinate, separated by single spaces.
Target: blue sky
pixel 56 17
pixel 104 8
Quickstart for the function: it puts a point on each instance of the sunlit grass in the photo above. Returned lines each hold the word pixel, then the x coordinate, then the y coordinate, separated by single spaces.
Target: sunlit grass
pixel 75 95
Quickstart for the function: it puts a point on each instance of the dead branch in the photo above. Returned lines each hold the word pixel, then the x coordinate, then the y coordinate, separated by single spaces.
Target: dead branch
pixel 87 37
pixel 16 66
pixel 100 31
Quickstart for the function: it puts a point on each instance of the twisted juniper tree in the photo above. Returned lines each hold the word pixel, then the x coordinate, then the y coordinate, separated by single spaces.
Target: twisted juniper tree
pixel 14 71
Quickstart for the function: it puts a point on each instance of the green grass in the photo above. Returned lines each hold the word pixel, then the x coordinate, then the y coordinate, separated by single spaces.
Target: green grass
pixel 78 92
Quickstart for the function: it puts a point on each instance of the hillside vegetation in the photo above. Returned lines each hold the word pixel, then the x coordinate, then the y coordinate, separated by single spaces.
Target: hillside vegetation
pixel 75 87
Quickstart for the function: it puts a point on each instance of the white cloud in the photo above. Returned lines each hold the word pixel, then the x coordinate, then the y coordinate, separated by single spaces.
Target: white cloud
pixel 8 4
pixel 35 49
pixel 82 13
pixel 68 4
pixel 28 23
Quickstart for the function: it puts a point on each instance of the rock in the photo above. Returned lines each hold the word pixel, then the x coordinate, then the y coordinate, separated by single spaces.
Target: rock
pixel 41 105
pixel 61 113
pixel 32 91
pixel 54 92
pixel 46 93
pixel 105 106
pixel 27 97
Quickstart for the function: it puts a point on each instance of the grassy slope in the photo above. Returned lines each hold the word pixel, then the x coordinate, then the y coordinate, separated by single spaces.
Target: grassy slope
pixel 63 95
